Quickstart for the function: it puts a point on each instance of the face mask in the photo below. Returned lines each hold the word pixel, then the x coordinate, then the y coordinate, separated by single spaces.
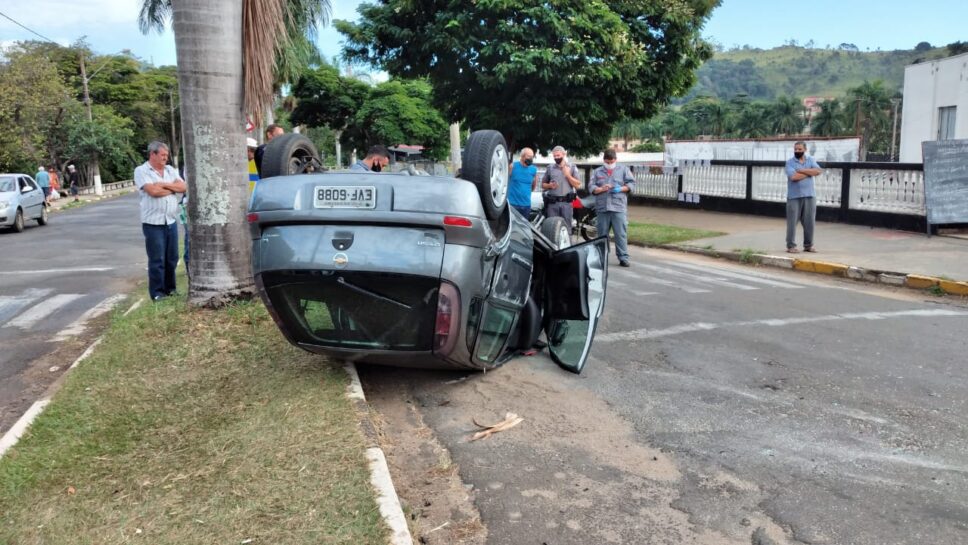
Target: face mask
pixel 528 162
pixel 559 160
pixel 798 154
pixel 609 166
pixel 377 167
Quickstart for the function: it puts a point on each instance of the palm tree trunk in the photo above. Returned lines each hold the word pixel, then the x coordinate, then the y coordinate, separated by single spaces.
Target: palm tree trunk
pixel 208 41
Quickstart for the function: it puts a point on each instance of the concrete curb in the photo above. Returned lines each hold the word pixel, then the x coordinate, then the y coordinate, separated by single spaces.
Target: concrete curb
pixel 387 499
pixel 889 278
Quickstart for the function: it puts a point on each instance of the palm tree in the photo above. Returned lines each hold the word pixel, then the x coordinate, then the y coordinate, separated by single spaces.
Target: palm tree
pixel 227 53
pixel 829 121
pixel 786 116
pixel 752 121
pixel 869 106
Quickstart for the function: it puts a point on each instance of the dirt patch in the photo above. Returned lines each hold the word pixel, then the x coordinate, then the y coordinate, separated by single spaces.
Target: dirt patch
pixel 439 508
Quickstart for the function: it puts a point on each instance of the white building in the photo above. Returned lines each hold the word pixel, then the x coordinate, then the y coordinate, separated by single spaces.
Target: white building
pixel 935 104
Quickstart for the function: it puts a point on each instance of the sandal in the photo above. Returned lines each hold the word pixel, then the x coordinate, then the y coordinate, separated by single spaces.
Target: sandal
pixel 793 251
pixel 810 249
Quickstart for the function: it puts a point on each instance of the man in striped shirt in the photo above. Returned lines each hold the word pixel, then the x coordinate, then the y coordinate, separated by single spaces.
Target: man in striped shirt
pixel 161 190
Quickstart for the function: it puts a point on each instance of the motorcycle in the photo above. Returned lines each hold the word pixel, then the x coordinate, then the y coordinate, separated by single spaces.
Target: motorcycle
pixel 584 222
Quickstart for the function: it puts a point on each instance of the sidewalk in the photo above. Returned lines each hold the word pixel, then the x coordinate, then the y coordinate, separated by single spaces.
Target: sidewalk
pixel 66 198
pixel 855 251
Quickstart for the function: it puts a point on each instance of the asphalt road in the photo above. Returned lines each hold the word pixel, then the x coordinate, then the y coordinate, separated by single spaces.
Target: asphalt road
pixel 55 282
pixel 723 404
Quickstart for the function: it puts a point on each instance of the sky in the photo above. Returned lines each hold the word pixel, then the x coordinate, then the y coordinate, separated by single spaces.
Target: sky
pixel 110 26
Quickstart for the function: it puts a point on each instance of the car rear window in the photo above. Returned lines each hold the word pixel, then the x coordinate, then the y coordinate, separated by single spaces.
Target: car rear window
pixel 356 310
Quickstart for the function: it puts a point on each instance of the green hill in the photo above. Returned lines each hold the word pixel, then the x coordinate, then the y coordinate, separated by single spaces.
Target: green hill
pixel 799 71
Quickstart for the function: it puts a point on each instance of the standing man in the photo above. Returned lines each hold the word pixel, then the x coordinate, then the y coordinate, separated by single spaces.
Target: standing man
pixel 611 184
pixel 43 180
pixel 161 190
pixel 74 180
pixel 801 198
pixel 560 182
pixel 272 131
pixel 377 158
pixel 523 180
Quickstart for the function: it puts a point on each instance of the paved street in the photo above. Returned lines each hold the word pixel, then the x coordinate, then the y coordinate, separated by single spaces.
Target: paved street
pixel 723 404
pixel 54 282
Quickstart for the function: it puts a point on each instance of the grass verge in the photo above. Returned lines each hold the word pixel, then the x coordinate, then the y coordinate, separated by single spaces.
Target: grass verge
pixel 193 426
pixel 651 233
pixel 749 255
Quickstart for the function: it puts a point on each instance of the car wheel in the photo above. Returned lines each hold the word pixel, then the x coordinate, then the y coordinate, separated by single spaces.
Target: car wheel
pixel 486 162
pixel 18 221
pixel 43 219
pixel 556 229
pixel 290 154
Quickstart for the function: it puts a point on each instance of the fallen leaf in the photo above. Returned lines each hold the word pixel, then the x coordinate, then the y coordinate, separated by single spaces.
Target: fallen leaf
pixel 510 420
pixel 71 490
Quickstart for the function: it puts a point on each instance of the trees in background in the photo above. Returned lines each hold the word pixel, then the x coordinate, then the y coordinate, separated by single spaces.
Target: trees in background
pixel 541 73
pixel 390 113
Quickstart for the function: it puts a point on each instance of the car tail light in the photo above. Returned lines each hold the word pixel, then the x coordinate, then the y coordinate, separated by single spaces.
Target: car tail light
pixel 457 221
pixel 447 325
pixel 252 217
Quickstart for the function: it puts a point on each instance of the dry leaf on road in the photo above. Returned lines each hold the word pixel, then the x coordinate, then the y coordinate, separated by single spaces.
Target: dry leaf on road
pixel 510 420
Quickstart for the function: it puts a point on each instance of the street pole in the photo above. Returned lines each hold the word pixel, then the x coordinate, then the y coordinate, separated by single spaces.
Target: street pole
pixel 98 190
pixel 894 131
pixel 174 143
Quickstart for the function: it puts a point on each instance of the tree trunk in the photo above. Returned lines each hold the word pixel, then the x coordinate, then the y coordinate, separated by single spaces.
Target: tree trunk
pixel 208 41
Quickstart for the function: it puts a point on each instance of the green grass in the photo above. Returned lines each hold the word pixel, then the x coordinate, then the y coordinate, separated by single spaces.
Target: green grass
pixel 749 255
pixel 937 291
pixel 649 234
pixel 193 426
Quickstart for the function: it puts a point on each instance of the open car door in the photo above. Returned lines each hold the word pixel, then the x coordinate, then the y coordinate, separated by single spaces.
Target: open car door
pixel 574 301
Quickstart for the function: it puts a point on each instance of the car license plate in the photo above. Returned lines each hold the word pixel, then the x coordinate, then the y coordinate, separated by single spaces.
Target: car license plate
pixel 337 196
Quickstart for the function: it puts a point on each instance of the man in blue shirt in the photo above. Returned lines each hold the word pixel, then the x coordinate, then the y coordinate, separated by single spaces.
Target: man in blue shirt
pixel 522 181
pixel 377 158
pixel 801 197
pixel 611 185
pixel 43 180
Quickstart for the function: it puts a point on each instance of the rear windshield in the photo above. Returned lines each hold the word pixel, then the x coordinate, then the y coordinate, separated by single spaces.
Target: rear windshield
pixel 8 183
pixel 361 310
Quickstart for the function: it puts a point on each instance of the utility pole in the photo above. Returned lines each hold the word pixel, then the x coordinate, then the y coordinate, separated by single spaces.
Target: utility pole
pixel 174 143
pixel 455 145
pixel 896 102
pixel 98 190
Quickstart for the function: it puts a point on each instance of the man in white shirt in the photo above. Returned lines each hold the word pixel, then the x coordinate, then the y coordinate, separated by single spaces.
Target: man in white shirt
pixel 161 190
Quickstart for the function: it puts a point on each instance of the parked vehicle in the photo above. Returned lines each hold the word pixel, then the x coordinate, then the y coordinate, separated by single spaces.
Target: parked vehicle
pixel 421 271
pixel 585 222
pixel 21 199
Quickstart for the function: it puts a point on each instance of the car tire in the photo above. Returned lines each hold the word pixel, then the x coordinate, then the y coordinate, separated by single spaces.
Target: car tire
pixel 557 230
pixel 44 218
pixel 290 154
pixel 18 221
pixel 486 163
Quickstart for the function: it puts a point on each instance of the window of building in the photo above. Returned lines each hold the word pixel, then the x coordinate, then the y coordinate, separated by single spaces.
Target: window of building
pixel 946 123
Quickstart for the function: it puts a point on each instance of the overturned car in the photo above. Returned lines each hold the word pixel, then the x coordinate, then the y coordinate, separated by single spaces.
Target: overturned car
pixel 419 271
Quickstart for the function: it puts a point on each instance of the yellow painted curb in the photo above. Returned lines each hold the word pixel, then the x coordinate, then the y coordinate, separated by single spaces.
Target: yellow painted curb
pixel 820 267
pixel 954 288
pixel 920 282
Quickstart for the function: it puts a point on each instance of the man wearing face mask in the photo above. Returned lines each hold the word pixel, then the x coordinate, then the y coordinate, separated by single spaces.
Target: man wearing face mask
pixel 560 182
pixel 611 184
pixel 801 198
pixel 377 158
pixel 522 181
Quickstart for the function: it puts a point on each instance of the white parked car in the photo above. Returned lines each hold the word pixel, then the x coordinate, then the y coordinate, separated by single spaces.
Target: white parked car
pixel 21 199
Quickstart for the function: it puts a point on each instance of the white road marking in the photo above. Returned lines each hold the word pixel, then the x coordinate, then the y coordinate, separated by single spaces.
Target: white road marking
pixel 738 276
pixel 50 271
pixel 10 305
pixel 645 293
pixel 698 277
pixel 42 310
pixel 644 334
pixel 78 326
pixel 662 282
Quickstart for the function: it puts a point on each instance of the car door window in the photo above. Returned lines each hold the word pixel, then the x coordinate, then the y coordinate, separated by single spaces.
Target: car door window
pixel 576 300
pixel 494 330
pixel 29 183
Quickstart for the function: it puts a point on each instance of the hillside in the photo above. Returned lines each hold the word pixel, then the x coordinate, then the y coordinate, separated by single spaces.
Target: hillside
pixel 799 71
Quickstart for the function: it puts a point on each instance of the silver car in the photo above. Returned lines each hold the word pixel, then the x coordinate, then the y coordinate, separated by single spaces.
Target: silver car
pixel 21 199
pixel 417 270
